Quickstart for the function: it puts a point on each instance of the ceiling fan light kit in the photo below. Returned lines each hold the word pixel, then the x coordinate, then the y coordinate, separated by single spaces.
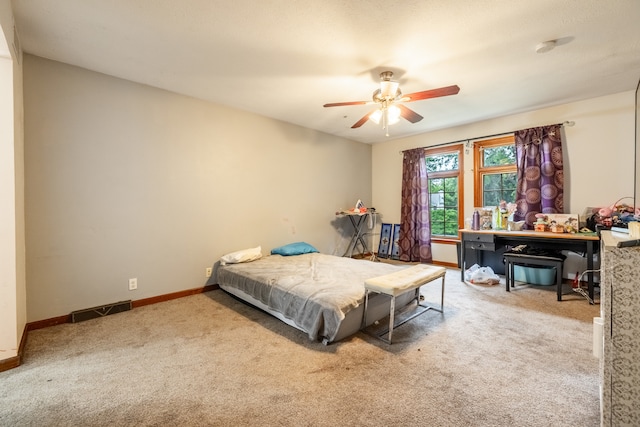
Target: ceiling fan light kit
pixel 392 115
pixel 376 116
pixel 388 98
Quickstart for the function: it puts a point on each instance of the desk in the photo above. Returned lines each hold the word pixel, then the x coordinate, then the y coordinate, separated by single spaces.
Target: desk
pixel 490 240
pixel 358 221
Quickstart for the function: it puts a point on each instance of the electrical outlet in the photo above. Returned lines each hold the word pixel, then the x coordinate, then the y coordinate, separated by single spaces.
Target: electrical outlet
pixel 133 284
pixel 207 272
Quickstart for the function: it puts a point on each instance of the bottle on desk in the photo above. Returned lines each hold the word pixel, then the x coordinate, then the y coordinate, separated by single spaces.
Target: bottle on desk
pixel 475 222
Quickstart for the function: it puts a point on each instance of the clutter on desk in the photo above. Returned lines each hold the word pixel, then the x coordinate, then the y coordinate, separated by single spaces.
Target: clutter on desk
pixel 494 217
pixel 475 223
pixel 515 225
pixel 485 217
pixel 504 214
pixel 557 223
pixel 618 214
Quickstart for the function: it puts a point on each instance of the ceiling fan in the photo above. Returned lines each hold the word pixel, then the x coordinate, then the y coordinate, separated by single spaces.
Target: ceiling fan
pixel 389 97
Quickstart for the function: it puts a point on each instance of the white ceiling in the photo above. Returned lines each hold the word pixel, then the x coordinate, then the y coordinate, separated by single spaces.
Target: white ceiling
pixel 284 59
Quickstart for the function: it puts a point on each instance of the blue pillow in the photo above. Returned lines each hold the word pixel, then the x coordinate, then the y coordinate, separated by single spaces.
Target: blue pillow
pixel 294 249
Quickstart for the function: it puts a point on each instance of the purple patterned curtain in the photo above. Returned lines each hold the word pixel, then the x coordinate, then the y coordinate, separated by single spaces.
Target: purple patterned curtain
pixel 540 176
pixel 415 220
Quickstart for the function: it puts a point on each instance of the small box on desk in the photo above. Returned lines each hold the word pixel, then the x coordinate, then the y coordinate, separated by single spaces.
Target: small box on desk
pixel 545 276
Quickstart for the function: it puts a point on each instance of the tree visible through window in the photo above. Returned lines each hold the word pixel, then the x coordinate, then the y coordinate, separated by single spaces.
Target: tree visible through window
pixel 444 168
pixel 495 171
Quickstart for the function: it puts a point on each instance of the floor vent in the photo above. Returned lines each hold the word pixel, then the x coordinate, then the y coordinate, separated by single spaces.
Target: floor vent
pixel 103 310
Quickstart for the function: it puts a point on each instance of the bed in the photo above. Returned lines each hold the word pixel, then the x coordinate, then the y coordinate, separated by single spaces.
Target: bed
pixel 322 295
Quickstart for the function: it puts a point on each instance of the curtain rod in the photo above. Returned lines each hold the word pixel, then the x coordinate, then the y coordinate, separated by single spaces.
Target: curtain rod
pixel 565 123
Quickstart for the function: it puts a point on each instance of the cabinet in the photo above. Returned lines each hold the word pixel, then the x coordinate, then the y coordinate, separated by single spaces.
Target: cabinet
pixel 620 312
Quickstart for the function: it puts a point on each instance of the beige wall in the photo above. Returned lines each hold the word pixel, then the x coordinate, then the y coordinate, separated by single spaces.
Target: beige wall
pixel 12 231
pixel 125 180
pixel 599 156
pixel 8 261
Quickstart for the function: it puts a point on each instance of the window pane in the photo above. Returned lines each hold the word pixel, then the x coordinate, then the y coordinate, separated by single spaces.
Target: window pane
pixel 509 185
pixel 492 182
pixel 451 192
pixel 495 178
pixel 510 180
pixel 503 155
pixel 451 222
pixel 437 221
pixel 435 185
pixel 497 187
pixel 451 184
pixel 443 193
pixel 492 198
pixel 445 180
pixel 442 162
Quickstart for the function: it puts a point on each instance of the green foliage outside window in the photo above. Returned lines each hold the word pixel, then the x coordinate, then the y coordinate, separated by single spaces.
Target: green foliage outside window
pixel 443 170
pixel 499 186
pixel 444 212
pixel 502 155
pixel 442 162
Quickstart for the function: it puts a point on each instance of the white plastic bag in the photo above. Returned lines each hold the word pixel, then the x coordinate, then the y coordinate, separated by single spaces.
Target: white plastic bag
pixel 469 271
pixel 485 276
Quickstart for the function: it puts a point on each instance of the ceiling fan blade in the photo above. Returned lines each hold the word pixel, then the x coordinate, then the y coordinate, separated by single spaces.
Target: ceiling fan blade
pixel 433 93
pixel 362 120
pixel 342 104
pixel 409 114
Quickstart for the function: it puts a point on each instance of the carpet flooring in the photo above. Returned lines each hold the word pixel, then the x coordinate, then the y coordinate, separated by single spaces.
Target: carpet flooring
pixel 491 359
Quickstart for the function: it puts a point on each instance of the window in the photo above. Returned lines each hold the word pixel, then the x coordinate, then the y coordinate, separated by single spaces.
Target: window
pixel 495 173
pixel 444 168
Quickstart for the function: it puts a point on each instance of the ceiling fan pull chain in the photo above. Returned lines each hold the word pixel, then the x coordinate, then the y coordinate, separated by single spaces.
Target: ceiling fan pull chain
pixel 386 121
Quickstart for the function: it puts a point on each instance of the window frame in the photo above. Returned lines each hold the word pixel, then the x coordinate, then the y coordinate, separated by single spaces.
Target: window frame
pixel 479 170
pixel 459 150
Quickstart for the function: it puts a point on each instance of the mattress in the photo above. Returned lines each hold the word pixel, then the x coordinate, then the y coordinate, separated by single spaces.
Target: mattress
pixel 317 293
